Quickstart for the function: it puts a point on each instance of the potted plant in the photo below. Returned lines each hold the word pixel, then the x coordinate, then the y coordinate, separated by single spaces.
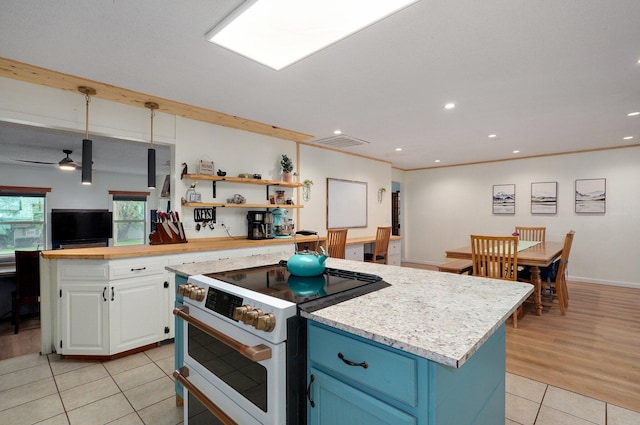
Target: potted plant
pixel 287 168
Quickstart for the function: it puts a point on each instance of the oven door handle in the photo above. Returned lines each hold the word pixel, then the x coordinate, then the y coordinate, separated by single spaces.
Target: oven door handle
pixel 181 376
pixel 256 353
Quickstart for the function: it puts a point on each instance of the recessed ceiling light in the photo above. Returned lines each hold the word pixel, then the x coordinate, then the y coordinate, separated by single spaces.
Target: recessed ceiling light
pixel 492 136
pixel 437 160
pixel 337 131
pixel 398 149
pixel 449 106
pixel 516 151
pixel 633 114
pixel 277 33
pixel 627 138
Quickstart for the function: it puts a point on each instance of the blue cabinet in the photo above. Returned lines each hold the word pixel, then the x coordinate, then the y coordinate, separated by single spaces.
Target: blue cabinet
pixel 355 381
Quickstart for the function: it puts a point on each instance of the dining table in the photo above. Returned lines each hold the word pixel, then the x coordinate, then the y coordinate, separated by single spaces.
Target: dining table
pixel 530 253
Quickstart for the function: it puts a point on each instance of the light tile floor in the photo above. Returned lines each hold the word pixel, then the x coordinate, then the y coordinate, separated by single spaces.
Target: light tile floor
pixel 138 389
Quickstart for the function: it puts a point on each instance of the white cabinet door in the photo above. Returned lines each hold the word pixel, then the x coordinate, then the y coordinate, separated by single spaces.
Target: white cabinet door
pixel 84 320
pixel 136 309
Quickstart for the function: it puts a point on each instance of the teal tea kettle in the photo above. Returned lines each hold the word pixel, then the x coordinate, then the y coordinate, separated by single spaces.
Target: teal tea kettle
pixel 307 263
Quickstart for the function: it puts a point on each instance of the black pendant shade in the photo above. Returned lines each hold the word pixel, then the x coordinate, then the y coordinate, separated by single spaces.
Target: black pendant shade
pixel 151 168
pixel 87 161
pixel 87 144
pixel 151 152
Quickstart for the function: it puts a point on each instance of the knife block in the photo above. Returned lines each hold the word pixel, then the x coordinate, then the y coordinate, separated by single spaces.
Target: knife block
pixel 162 236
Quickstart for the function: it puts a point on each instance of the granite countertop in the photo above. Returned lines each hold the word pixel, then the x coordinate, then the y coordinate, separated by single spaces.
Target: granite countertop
pixel 442 317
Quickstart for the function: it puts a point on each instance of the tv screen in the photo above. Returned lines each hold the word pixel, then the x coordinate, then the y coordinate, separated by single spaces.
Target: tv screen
pixel 79 225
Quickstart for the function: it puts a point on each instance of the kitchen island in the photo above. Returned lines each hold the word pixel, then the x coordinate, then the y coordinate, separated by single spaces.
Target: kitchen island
pixel 442 336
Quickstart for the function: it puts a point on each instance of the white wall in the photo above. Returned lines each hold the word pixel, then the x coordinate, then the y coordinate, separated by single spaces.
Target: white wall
pixel 444 206
pixel 234 151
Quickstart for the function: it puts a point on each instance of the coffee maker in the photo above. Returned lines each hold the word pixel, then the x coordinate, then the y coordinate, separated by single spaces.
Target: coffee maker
pixel 260 225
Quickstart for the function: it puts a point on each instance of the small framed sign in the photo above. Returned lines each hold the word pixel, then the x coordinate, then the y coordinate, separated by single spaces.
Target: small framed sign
pixel 204 214
pixel 206 167
pixel 194 197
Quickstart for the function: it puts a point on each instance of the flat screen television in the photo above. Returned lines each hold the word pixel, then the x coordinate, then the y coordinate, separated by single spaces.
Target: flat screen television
pixel 80 225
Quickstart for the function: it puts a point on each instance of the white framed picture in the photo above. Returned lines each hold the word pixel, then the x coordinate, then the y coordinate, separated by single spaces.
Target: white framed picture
pixel 504 199
pixel 544 198
pixel 591 196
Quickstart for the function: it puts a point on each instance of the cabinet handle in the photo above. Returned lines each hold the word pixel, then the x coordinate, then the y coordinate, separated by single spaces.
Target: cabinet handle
pixel 112 293
pixel 311 379
pixel 350 363
pixel 138 269
pixel 104 292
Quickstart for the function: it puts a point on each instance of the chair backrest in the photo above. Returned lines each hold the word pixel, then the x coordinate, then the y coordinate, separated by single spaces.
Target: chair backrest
pixel 531 233
pixel 27 274
pixel 495 256
pixel 381 245
pixel 564 257
pixel 336 242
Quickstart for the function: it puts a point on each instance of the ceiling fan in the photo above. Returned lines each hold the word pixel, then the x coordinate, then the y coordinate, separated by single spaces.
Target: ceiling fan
pixel 65 164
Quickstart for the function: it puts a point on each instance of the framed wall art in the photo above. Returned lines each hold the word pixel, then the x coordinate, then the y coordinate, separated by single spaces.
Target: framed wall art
pixel 544 198
pixel 504 199
pixel 591 196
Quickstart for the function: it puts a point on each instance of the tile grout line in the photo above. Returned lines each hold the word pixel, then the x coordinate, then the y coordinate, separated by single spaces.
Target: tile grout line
pixel 53 376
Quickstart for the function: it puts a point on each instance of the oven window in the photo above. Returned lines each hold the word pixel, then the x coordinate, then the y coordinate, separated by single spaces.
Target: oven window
pixel 248 378
pixel 199 415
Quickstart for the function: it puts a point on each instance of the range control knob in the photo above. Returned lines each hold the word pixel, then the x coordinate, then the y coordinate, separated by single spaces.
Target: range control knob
pixel 251 318
pixel 266 322
pixel 195 291
pixel 200 294
pixel 184 287
pixel 239 312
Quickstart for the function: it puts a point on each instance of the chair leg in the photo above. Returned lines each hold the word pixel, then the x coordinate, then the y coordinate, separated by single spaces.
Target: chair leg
pixel 514 319
pixel 16 317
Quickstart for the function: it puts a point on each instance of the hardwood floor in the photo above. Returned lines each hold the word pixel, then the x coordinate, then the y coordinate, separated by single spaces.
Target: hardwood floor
pixel 594 350
pixel 25 342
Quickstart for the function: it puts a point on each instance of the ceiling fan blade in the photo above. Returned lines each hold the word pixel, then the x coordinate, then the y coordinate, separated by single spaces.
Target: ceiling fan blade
pixel 34 162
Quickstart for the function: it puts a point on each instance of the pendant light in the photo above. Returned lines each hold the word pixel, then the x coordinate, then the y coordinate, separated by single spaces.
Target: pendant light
pixel 151 152
pixel 87 144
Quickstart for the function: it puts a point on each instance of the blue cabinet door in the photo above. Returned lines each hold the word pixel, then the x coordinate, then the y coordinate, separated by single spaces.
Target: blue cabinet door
pixel 337 403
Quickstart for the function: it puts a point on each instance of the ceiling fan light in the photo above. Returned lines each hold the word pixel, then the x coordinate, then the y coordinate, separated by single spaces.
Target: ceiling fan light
pixel 67 163
pixel 87 153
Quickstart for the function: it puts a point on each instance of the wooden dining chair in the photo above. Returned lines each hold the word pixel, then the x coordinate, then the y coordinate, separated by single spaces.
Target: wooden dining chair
pixel 336 242
pixel 380 246
pixel 531 233
pixel 27 283
pixel 555 276
pixel 496 257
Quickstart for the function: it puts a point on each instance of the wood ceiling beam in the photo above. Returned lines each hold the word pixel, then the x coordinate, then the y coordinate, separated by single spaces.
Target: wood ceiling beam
pixel 46 77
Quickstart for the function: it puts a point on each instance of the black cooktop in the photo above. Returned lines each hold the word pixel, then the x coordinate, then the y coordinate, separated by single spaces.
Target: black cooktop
pixel 309 293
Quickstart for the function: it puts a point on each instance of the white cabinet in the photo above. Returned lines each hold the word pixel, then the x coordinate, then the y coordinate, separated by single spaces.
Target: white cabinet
pixel 354 252
pixel 137 313
pixel 394 256
pixel 84 319
pixel 111 306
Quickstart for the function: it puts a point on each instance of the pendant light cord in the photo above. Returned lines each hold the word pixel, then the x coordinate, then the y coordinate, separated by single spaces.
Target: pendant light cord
pixel 152 115
pixel 88 99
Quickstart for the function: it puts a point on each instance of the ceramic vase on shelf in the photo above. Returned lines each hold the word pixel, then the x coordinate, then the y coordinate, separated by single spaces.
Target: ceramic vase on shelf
pixel 287 177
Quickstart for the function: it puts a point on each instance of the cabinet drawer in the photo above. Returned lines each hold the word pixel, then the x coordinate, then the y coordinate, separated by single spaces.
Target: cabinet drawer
pixel 83 270
pixel 354 252
pixel 394 248
pixel 389 373
pixel 139 267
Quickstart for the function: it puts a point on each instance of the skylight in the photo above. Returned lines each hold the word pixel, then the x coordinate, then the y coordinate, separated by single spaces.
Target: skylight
pixel 278 33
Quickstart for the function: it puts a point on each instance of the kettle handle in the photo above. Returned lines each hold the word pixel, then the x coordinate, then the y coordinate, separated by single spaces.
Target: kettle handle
pixel 306 233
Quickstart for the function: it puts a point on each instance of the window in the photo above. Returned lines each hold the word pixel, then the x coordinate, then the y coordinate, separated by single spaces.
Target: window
pixel 129 226
pixel 22 219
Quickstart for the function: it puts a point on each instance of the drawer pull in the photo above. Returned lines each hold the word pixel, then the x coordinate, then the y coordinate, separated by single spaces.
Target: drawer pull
pixel 311 379
pixel 350 363
pixel 139 269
